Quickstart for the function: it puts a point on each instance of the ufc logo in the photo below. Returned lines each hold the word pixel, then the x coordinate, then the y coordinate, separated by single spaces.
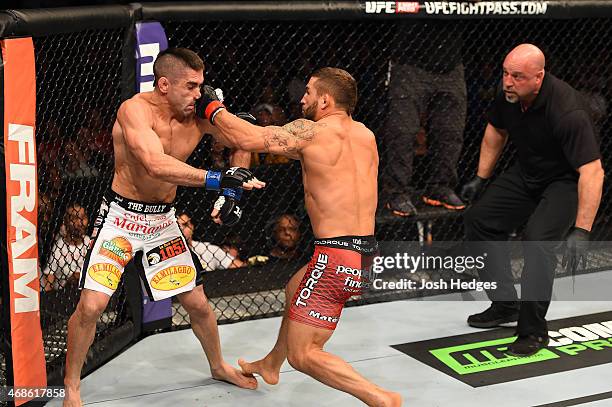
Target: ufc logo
pixel 232 170
pixel 377 6
pixel 238 212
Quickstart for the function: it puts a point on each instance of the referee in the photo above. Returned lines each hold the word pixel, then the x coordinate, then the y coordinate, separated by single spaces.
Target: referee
pixel 555 187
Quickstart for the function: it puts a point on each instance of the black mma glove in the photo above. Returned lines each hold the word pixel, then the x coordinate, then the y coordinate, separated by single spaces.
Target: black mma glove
pixel 576 247
pixel 471 190
pixel 232 177
pixel 229 182
pixel 209 104
pixel 227 205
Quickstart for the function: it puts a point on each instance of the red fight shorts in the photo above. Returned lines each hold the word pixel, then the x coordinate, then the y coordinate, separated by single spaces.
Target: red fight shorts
pixel 338 270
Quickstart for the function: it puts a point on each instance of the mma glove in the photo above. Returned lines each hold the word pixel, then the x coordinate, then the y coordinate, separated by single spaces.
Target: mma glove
pixel 209 104
pixel 473 188
pixel 232 178
pixel 229 182
pixel 227 205
pixel 576 247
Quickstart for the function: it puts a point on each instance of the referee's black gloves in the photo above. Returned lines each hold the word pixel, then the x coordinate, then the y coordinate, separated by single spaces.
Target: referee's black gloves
pixel 576 247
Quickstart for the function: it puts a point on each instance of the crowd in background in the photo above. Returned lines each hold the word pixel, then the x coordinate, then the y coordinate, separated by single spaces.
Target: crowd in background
pixel 75 162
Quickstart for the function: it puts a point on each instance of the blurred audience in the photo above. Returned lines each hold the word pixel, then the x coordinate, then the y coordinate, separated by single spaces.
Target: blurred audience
pixel 211 256
pixel 294 111
pixel 97 136
pixel 76 164
pixel 232 245
pixel 284 235
pixel 265 114
pixel 68 253
pixel 429 81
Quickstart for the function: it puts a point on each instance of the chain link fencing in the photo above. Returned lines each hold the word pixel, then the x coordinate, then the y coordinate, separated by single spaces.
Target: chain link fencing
pixel 453 67
pixel 77 96
pixel 262 68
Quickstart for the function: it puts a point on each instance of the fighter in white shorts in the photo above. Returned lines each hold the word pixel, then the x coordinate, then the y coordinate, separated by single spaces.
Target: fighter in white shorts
pixel 154 134
pixel 147 235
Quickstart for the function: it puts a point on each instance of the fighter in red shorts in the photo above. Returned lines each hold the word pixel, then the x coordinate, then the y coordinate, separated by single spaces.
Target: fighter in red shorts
pixel 340 168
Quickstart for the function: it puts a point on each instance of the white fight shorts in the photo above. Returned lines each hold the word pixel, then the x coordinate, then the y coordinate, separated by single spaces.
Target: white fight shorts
pixel 146 235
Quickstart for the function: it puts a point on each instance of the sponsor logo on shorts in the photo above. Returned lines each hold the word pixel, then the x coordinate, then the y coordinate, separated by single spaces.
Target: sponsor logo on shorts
pixel 332 242
pixel 139 230
pixel 118 249
pixel 352 283
pixel 165 251
pixel 147 208
pixel 100 219
pixel 318 315
pixel 173 277
pixel 106 274
pixel 315 275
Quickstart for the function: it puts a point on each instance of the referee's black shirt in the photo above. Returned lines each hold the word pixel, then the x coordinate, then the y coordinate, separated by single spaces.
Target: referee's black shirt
pixel 553 137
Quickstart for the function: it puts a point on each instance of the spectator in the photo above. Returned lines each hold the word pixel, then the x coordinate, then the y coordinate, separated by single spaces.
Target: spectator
pixel 279 118
pixel 45 210
pixel 69 250
pixel 212 257
pixel 232 245
pixel 50 136
pixel 286 236
pixel 219 155
pixel 297 84
pixel 295 111
pixel 77 162
pixel 52 180
pixel 591 88
pixel 265 115
pixel 96 135
pixel 429 81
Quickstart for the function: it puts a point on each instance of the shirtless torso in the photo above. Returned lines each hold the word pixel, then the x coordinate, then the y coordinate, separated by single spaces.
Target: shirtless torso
pixel 339 161
pixel 177 138
pixel 340 170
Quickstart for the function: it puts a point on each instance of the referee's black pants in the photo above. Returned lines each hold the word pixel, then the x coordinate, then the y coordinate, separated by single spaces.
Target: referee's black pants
pixel 550 211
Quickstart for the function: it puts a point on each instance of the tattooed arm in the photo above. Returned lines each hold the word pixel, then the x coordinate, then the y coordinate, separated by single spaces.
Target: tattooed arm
pixel 288 140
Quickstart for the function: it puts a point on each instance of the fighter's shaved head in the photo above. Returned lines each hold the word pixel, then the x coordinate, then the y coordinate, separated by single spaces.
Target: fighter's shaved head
pixel 172 61
pixel 528 56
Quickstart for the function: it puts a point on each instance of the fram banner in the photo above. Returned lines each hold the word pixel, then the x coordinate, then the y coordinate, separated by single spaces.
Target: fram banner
pixel 29 369
pixel 150 40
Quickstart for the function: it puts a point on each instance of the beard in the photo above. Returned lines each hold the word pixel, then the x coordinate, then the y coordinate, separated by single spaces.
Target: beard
pixel 310 111
pixel 511 97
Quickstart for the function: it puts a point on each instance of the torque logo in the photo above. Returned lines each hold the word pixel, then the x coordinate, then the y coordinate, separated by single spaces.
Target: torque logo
pixel 315 275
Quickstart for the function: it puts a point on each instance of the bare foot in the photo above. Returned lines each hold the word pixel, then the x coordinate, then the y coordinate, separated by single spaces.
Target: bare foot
pixel 72 398
pixel 232 375
pixel 262 368
pixel 393 399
